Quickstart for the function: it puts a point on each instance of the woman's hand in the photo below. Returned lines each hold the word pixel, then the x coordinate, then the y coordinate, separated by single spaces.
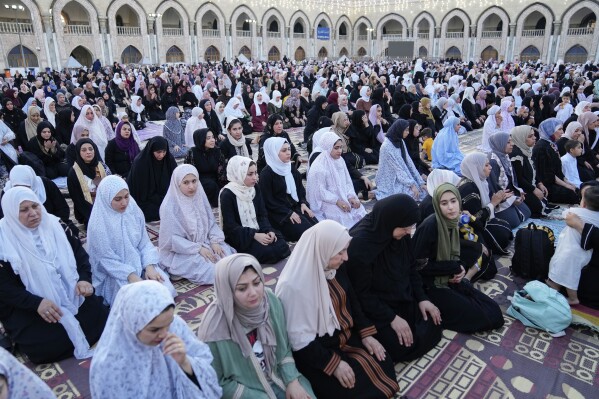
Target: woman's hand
pixel 427 307
pixel 208 254
pixel 345 375
pixel 343 205
pixel 84 288
pixel 354 202
pixel 49 311
pixel 415 192
pixel 133 278
pixel 458 277
pixel 403 331
pixel 174 347
pixel 367 182
pixel 295 390
pixel 498 197
pixel 295 218
pixel 272 236
pixel 263 238
pixel 368 150
pixel 374 347
pixel 176 148
pixel 538 193
pixel 218 250
pixel 306 210
pixel 542 187
pixel 152 274
pixel 263 123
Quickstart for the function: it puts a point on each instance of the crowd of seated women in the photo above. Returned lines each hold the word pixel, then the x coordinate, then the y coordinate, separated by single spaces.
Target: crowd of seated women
pixel 360 291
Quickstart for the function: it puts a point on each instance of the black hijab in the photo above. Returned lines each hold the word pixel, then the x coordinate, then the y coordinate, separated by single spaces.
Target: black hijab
pixel 211 118
pixel 411 141
pixel 377 96
pixel 395 135
pixel 88 169
pixel 64 126
pixel 405 111
pixel 148 176
pixel 317 106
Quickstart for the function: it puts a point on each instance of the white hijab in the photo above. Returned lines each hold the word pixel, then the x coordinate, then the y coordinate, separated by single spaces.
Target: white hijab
pixel 472 168
pixel 277 103
pixel 194 123
pixel 97 132
pixel 138 109
pixel 257 103
pixel 44 261
pixel 21 382
pixel 50 116
pixel 272 146
pixel 438 177
pixel 237 169
pixel 231 111
pixel 24 175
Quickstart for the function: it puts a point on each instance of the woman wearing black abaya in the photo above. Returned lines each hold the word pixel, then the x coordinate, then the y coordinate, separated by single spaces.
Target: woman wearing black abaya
pixel 65 120
pixel 210 163
pixel 212 121
pixel 413 146
pixel 446 258
pixel 313 115
pixel 150 177
pixel 384 274
pixel 363 140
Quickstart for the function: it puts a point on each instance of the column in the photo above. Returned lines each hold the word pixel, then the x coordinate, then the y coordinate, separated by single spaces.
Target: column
pixel 511 43
pixel 152 41
pixel 50 44
pixel 471 42
pixel 229 32
pixel 106 47
pixel 555 44
pixel 193 37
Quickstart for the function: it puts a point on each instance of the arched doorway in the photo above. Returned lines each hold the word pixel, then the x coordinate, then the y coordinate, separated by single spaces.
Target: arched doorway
pixel 453 52
pixel 300 54
pixel 212 54
pixel 174 54
pixel 323 53
pixel 489 53
pixel 530 54
pixel 361 52
pixel 576 54
pixel 131 55
pixel 422 52
pixel 82 55
pixel 247 53
pixel 274 54
pixel 343 52
pixel 19 55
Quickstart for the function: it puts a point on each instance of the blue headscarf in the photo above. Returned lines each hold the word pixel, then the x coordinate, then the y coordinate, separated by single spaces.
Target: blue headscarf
pixel 548 127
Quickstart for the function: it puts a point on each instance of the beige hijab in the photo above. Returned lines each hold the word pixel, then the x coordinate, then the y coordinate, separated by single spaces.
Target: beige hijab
pixel 303 288
pixel 237 169
pixel 340 130
pixel 30 126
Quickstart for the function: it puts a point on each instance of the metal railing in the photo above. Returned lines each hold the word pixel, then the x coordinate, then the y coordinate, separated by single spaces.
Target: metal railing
pixel 210 33
pixel 487 34
pixel 77 30
pixel 172 31
pixel 273 34
pixel 244 33
pixel 533 32
pixel 128 30
pixel 423 35
pixel 580 31
pixel 343 37
pixel 454 35
pixel 299 35
pixel 392 36
pixel 362 37
pixel 16 27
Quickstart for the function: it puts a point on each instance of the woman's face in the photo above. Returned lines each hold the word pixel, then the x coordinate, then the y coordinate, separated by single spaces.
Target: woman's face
pixel 35 117
pixel 509 146
pixel 586 108
pixel 169 89
pixel 487 169
pixel 343 101
pixel 210 141
pixel 450 206
pixel 337 260
pixel 125 131
pixel 120 201
pixel 249 290
pixel 155 331
pixel 401 232
pixel 324 105
pixel 221 107
pixel 138 102
pixel 81 102
pixel 85 134
pixel 576 133
pixel 259 97
pixel 531 139
pixel 511 107
pixel 87 152
pixel 30 214
pixel 285 153
pixel 278 126
pixel 344 121
pixel 98 112
pixel 52 107
pixel 593 125
pixel 89 114
pixel 368 92
pixel 236 130
pixel 457 127
pixel 189 185
pixel 416 132
pixel 337 150
pixel 558 133
pixel 498 118
pixel 159 155
pixel 379 112
pixel 208 106
pixel 406 132
pixel 251 178
pixel 9 105
pixel 46 133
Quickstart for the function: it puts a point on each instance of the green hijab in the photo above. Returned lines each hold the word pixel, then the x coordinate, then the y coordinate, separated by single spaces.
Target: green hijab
pixel 448 243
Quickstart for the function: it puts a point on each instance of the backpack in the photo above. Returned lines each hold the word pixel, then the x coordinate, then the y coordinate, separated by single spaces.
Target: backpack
pixel 533 249
pixel 540 306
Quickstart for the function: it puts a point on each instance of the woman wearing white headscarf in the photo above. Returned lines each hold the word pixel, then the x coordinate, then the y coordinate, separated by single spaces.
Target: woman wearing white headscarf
pixel 190 241
pixel 18 382
pixel 146 351
pixel 90 121
pixel 364 102
pixel 492 126
pixel 259 112
pixel 9 154
pixel 243 216
pixel 275 106
pixel 50 111
pixel 195 122
pixel 137 114
pixel 219 109
pixel 120 250
pixel 330 190
pixel 48 304
pixel 283 191
pixel 320 88
pixel 331 338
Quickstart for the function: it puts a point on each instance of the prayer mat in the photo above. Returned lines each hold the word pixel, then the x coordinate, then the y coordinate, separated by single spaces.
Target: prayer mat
pixel 152 129
pixel 585 316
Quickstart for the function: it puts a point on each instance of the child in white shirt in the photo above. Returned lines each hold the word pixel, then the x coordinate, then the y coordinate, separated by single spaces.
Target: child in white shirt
pixel 569 164
pixel 564 109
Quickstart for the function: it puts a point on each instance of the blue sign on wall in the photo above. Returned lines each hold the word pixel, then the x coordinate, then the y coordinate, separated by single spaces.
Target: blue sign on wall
pixel 323 33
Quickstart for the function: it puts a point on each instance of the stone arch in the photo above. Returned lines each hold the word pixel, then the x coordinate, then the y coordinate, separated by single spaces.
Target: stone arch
pixel 343 52
pixel 131 55
pixel 488 53
pixel 361 20
pixel 567 15
pixel 422 52
pixel 175 54
pixel 274 54
pixel 577 54
pixel 42 56
pixel 500 12
pixel 530 53
pixel 83 55
pixel 454 52
pixel 182 13
pixel 299 14
pixel 300 54
pixel 592 5
pixel 323 52
pixel 424 15
pixel 391 17
pixel 245 50
pixel 206 7
pixel 361 52
pixel 543 9
pixel 63 48
pixel 235 15
pixel 16 54
pixel 320 17
pixel 141 15
pixel 277 14
pixel 459 13
pixel 340 20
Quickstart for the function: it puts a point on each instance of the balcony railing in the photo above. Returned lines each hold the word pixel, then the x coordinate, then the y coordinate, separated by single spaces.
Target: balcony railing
pixel 362 37
pixel 343 37
pixel 77 30
pixel 580 31
pixel 210 33
pixel 533 32
pixel 491 34
pixel 128 30
pixel 423 35
pixel 299 35
pixel 244 33
pixel 172 31
pixel 273 34
pixel 454 35
pixel 392 36
pixel 16 27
